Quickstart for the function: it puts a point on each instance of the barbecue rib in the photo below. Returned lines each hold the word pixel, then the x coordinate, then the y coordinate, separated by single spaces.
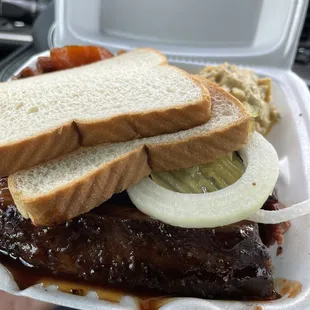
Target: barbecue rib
pixel 117 244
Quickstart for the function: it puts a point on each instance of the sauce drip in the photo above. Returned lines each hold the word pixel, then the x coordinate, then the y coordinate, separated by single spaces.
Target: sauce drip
pixel 28 276
pixel 279 250
pixel 288 287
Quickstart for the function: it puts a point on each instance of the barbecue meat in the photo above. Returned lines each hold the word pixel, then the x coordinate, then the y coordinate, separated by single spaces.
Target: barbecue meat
pixel 116 243
pixel 67 57
pixel 273 233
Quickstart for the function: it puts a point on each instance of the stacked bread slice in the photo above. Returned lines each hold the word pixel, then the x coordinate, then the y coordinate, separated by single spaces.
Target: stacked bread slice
pixel 123 98
pixel 170 136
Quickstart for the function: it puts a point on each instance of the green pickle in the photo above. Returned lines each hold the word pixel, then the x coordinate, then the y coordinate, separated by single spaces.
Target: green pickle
pixel 210 177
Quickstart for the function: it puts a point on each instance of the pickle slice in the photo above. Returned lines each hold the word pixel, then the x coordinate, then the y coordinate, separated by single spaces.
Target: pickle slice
pixel 210 177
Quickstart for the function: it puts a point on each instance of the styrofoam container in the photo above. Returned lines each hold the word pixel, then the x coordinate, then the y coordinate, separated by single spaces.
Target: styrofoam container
pixel 261 35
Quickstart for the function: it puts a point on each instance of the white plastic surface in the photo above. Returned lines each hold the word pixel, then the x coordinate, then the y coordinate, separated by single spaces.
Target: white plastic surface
pixel 249 32
pixel 291 138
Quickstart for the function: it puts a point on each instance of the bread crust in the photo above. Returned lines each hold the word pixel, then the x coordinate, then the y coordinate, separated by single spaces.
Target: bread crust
pixel 81 196
pixel 68 137
pixel 206 147
pixel 87 192
pixel 32 151
pixel 164 59
pixel 133 126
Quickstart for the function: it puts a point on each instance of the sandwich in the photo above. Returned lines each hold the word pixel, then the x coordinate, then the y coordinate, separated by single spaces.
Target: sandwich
pixel 185 212
pixel 66 187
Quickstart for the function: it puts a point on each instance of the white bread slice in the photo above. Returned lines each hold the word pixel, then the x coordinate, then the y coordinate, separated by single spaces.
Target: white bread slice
pixel 120 99
pixel 76 183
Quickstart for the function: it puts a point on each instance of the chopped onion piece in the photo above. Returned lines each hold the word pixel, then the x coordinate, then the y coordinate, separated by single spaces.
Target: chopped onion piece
pixel 229 205
pixel 283 215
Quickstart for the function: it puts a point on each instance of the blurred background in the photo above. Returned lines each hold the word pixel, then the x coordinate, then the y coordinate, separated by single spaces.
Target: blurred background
pixel 26 28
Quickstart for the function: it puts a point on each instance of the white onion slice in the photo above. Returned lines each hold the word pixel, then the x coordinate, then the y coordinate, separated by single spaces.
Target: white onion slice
pixel 229 205
pixel 283 215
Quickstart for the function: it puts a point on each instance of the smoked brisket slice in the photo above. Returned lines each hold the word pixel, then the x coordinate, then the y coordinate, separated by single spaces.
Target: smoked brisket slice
pixel 116 243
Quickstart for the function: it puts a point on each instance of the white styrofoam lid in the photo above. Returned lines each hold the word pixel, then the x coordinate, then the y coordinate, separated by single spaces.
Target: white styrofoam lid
pixel 251 32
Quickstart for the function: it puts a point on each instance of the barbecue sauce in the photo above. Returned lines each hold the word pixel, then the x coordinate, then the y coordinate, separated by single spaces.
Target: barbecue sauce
pixel 27 276
pixel 288 288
